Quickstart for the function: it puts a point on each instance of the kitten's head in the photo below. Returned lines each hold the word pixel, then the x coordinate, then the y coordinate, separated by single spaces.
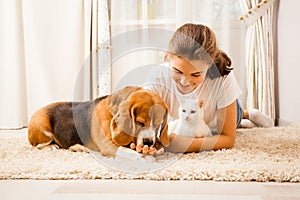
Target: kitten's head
pixel 191 110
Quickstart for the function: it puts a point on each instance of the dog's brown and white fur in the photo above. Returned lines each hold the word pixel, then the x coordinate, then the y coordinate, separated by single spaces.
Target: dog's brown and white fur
pixel 106 125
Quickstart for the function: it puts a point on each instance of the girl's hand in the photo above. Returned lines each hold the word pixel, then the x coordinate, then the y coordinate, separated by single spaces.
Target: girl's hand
pixel 172 136
pixel 179 144
pixel 146 149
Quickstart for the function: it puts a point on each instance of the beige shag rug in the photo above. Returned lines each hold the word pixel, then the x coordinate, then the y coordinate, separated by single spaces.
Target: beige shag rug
pixel 271 154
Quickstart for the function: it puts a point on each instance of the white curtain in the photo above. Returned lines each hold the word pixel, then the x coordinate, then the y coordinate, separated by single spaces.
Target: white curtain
pixel 140 31
pixel 258 16
pixel 126 16
pixel 45 55
pixel 98 44
pixel 103 50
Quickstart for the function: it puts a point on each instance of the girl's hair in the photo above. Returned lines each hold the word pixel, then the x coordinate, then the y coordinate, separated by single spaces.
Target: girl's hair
pixel 198 42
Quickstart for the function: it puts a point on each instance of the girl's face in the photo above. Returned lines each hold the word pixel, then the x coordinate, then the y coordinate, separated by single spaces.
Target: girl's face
pixel 187 74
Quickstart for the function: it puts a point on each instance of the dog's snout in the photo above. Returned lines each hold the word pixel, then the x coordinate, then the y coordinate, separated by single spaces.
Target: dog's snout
pixel 148 141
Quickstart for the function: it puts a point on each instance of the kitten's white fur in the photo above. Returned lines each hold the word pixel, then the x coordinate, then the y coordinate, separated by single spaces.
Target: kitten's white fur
pixel 190 122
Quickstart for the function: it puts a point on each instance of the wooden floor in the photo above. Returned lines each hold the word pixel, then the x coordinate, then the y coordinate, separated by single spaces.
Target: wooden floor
pixel 139 189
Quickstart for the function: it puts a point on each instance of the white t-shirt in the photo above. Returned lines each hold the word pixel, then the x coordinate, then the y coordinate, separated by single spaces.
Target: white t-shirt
pixel 216 93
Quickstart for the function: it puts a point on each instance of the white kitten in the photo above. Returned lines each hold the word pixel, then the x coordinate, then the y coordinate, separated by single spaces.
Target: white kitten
pixel 190 122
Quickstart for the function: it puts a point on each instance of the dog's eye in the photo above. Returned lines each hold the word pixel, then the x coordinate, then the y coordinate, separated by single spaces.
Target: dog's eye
pixel 193 111
pixel 142 124
pixel 184 111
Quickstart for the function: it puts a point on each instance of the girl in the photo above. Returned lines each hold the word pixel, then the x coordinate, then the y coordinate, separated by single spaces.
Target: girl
pixel 198 69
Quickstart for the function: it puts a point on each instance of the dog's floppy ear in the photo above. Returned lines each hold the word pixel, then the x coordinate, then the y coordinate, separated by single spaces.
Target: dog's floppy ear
pixel 122 126
pixel 164 137
pixel 159 114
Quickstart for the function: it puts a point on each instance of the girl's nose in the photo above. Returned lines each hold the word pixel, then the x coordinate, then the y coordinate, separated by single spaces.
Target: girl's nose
pixel 183 81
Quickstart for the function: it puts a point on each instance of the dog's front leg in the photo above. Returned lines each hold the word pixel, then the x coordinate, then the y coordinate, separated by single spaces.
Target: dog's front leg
pixel 100 138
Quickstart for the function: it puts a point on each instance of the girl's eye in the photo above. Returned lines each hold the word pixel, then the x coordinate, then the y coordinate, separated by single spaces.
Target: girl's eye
pixel 197 74
pixel 193 111
pixel 176 71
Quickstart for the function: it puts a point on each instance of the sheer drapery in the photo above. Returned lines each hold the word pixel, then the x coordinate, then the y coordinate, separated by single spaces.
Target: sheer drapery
pixel 104 49
pixel 13 86
pixel 259 54
pixel 134 42
pixel 45 48
pixel 221 15
pixel 97 63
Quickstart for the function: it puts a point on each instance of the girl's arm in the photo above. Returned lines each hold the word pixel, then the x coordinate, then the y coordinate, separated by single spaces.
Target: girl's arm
pixel 226 120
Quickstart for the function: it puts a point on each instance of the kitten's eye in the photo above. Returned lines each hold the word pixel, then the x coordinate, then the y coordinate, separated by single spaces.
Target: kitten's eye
pixel 193 111
pixel 183 110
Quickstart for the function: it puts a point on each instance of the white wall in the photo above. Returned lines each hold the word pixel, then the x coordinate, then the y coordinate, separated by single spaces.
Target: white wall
pixel 288 61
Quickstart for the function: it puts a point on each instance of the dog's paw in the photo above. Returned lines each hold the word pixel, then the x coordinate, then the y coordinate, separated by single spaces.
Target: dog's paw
pixel 47 147
pixel 78 148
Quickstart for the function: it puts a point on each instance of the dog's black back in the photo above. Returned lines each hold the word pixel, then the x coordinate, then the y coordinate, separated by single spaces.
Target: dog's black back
pixel 70 122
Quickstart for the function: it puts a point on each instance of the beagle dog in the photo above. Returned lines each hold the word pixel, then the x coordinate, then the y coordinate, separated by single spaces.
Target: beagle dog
pixel 107 124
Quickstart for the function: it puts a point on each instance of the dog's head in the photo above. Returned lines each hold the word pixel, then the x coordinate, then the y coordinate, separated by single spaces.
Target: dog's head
pixel 139 117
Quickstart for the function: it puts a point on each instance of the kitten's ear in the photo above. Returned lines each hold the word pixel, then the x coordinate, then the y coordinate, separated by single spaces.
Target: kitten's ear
pixel 201 103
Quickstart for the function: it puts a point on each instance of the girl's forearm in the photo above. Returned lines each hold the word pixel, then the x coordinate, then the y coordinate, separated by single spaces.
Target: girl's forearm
pixel 186 144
